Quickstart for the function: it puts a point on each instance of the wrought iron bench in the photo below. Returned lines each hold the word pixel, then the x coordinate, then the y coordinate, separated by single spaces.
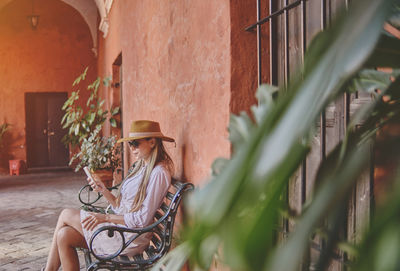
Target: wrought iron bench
pixel 161 230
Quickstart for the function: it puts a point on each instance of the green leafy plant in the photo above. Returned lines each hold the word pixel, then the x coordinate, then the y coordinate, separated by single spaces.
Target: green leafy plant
pixel 81 122
pixel 84 127
pixel 4 156
pixel 98 153
pixel 236 216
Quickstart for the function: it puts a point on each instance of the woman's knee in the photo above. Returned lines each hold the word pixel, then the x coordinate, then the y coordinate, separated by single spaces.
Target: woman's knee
pixel 68 236
pixel 68 214
pixel 64 235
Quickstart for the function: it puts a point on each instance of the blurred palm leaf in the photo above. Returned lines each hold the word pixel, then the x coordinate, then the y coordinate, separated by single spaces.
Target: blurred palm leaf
pixel 371 80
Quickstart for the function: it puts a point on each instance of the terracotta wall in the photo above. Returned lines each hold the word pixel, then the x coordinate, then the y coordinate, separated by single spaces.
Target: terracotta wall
pixel 243 55
pixel 176 70
pixel 47 59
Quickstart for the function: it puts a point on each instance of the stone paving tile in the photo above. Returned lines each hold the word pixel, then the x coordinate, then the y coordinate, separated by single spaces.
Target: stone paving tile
pixel 29 208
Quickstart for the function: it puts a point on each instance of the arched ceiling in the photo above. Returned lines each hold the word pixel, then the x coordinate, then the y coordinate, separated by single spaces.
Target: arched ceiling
pixel 88 11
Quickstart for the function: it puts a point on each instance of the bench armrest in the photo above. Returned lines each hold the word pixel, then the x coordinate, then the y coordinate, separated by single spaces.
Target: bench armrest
pixel 111 230
pixel 88 197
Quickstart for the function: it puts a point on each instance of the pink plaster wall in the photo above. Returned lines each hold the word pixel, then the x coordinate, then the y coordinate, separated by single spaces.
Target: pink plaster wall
pixel 45 60
pixel 186 64
pixel 244 55
pixel 176 70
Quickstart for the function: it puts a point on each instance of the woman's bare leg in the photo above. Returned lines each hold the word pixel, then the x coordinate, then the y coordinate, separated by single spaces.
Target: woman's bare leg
pixel 68 217
pixel 67 240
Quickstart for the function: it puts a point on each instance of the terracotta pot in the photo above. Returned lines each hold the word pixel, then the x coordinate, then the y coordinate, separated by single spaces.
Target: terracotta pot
pixel 104 175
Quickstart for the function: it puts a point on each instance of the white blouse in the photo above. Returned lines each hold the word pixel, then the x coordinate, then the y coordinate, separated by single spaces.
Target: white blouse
pixel 159 182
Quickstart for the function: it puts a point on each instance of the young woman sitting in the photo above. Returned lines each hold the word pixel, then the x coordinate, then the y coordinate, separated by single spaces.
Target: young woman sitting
pixel 140 195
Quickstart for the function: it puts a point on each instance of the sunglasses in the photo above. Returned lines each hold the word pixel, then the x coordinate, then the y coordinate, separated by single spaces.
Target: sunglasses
pixel 134 143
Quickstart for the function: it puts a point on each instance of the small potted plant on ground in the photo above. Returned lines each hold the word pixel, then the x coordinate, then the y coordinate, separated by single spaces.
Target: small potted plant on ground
pixel 3 157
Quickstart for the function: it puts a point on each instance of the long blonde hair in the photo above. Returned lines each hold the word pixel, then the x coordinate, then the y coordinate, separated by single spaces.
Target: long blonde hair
pixel 158 155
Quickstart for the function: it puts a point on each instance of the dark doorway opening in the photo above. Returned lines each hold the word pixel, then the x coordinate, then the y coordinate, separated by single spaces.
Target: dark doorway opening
pixel 44 131
pixel 116 100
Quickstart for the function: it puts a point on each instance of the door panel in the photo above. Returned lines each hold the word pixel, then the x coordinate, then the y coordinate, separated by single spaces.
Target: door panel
pixel 58 153
pixel 43 130
pixel 36 129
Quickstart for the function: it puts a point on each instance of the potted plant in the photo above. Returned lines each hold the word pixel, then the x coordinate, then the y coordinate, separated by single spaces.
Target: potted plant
pixel 100 154
pixel 81 122
pixel 3 129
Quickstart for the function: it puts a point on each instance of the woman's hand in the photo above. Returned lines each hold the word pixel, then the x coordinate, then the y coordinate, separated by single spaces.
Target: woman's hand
pixel 93 219
pixel 97 186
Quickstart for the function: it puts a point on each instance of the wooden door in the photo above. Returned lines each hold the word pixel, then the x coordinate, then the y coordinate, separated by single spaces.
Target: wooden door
pixel 44 131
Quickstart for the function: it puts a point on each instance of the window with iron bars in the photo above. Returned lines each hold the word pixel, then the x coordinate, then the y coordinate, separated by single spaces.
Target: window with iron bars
pixel 284 29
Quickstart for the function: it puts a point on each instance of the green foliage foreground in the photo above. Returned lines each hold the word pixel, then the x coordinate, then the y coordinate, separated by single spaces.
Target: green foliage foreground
pixel 236 215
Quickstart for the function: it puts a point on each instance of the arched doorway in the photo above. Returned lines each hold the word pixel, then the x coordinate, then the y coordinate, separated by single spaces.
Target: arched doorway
pixel 42 60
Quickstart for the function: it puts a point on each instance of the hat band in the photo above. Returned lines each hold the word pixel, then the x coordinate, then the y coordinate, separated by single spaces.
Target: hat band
pixel 146 134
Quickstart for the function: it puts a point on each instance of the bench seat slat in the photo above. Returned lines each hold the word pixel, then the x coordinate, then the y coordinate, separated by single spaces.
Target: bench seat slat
pixel 156 241
pixel 164 207
pixel 170 196
pixel 157 215
pixel 138 257
pixel 124 259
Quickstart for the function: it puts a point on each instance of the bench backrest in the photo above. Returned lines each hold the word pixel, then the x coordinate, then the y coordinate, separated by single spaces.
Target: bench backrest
pixel 162 233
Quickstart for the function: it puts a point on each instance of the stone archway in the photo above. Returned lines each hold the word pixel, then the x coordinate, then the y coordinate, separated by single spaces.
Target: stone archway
pixel 88 11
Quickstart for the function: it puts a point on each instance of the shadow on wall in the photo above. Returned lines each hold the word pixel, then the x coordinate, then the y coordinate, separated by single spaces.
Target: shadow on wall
pixel 181 175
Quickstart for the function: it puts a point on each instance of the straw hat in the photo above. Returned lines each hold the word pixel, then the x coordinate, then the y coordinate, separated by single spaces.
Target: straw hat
pixel 144 129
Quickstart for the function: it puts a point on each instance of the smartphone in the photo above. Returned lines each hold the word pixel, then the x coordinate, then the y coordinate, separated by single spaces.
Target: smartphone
pixel 88 173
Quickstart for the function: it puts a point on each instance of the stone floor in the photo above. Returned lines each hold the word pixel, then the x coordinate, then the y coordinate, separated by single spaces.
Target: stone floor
pixel 29 207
